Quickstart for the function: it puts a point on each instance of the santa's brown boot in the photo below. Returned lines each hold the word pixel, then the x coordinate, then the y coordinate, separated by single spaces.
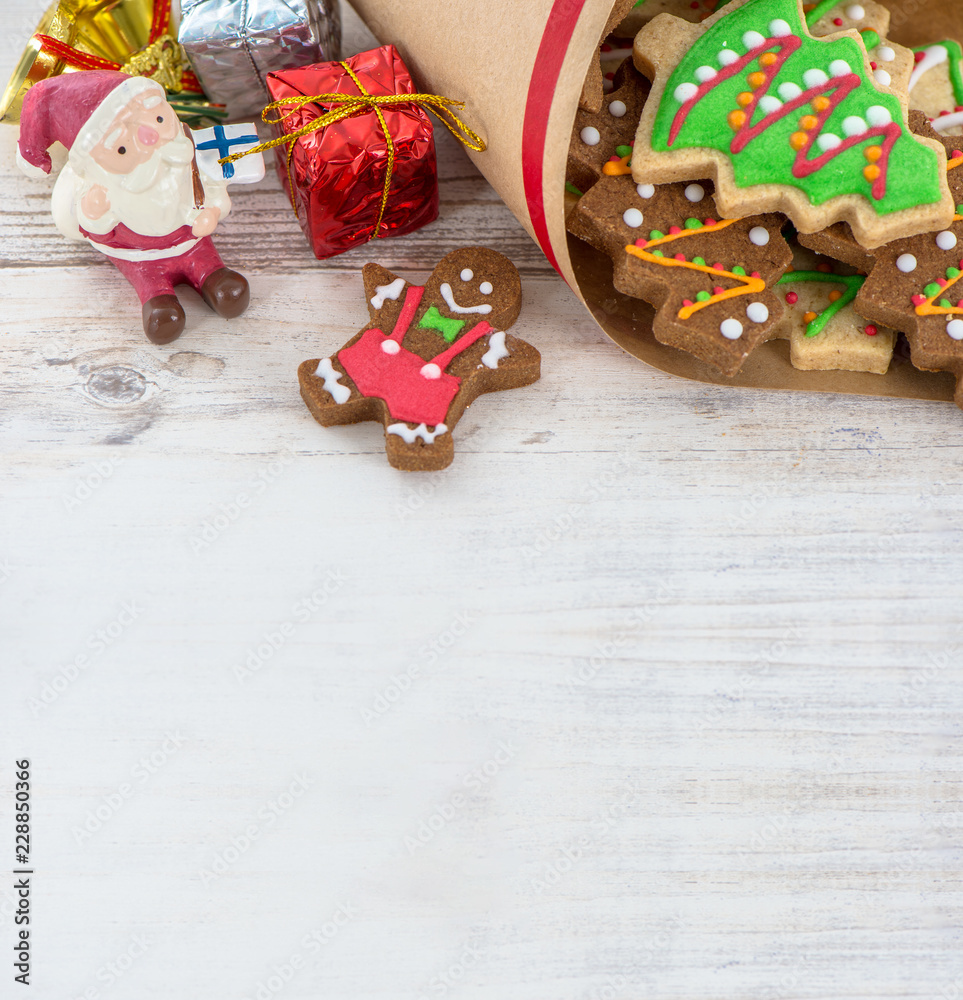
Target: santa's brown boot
pixel 163 319
pixel 226 292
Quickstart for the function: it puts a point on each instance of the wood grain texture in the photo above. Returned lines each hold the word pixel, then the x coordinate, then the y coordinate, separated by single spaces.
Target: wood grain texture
pixel 654 693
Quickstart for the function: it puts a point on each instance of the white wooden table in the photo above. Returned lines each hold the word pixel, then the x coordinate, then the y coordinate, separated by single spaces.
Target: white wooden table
pixel 654 693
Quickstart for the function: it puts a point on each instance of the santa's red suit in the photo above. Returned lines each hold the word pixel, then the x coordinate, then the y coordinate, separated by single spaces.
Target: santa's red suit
pixel 149 224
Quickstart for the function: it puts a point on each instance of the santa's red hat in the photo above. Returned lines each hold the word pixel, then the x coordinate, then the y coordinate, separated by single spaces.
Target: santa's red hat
pixel 75 109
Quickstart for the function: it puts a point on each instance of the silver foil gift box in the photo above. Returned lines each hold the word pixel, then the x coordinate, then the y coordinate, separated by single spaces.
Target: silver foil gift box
pixel 234 44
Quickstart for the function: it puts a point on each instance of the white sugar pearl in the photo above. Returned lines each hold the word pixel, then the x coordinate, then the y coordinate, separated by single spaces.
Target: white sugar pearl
pixel 485 288
pixel 946 240
pixel 839 67
pixel 731 329
pixel 779 28
pixel 877 115
pixel 632 217
pixel 885 54
pixel 769 103
pixel 814 78
pixel 954 329
pixel 757 312
pixel 590 135
pixel 759 236
pixel 856 12
pixel 727 57
pixel 828 141
pixel 390 346
pixel 789 91
pixel 645 190
pixel 467 274
pixel 883 77
pixel 431 370
pixel 617 109
pixel 906 263
pixel 685 92
pixel 752 39
pixel 695 192
pixel 704 74
pixel 854 125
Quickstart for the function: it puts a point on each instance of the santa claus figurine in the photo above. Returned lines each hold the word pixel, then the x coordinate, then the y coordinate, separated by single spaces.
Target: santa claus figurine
pixel 131 188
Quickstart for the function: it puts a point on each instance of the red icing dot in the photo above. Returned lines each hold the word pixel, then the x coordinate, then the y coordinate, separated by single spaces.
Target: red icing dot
pixel 641 243
pixel 694 5
pixel 838 21
pixel 919 56
pixel 957 152
pixel 710 222
pixel 718 267
pixel 918 300
pixel 871 330
pixel 755 274
pixel 687 302
pixel 674 230
pixel 680 256
pixel 605 47
pixel 941 282
pixel 873 65
pixel 718 290
pixel 792 298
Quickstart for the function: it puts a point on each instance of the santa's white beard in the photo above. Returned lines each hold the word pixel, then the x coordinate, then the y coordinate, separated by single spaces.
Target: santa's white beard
pixel 154 199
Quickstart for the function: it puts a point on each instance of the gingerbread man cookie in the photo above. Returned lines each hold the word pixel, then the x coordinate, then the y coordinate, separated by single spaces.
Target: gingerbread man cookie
pixel 785 122
pixel 426 353
pixel 710 279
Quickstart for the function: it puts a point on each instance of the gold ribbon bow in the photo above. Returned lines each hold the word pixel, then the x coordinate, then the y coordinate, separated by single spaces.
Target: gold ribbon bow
pixel 349 105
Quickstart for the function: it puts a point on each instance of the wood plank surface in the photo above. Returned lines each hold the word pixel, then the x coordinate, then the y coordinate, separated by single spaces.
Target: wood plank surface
pixel 656 692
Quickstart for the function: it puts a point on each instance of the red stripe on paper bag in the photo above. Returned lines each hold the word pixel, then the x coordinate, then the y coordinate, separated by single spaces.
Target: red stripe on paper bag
pixel 541 92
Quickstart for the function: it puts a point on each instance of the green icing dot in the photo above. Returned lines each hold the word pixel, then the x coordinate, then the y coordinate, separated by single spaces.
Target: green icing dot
pixel 931 290
pixel 693 224
pixel 959 209
pixel 945 304
pixel 703 296
pixel 623 151
pixel 656 235
pixel 739 270
pixel 657 253
pixel 952 272
pixel 699 260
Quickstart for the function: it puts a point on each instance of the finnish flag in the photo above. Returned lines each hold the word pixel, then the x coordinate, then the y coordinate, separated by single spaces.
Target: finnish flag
pixel 212 144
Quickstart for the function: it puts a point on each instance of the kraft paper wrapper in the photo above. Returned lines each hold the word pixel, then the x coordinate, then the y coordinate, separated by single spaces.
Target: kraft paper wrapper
pixel 519 66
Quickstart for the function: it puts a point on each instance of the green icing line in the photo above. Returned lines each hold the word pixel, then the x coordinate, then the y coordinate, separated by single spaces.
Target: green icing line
pixel 954 54
pixel 572 189
pixel 852 283
pixel 821 10
pixel 913 171
pixel 870 39
pixel 448 328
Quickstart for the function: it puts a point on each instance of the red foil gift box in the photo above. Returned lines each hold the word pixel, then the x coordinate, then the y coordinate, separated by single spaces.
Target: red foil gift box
pixel 335 176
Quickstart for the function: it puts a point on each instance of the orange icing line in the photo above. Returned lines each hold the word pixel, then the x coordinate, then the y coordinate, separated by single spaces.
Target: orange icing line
pixel 952 164
pixel 928 309
pixel 613 169
pixel 750 285
pixel 690 232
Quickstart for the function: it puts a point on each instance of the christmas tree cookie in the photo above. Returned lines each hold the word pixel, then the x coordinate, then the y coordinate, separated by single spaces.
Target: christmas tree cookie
pixel 426 353
pixel 711 279
pixel 936 85
pixel 824 331
pixel 784 122
pixel 608 134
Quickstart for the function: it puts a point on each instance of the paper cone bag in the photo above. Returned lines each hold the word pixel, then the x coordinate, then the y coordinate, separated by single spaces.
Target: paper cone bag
pixel 520 66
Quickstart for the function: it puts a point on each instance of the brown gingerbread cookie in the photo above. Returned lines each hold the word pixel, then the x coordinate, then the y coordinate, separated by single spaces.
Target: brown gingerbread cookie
pixel 914 284
pixel 609 133
pixel 426 353
pixel 593 85
pixel 710 279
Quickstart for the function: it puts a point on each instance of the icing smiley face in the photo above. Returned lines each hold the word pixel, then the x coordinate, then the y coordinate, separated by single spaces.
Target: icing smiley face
pixel 473 284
